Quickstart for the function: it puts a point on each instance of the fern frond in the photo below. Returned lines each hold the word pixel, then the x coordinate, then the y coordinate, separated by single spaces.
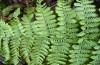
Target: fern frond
pixel 26 23
pixel 45 23
pixel 6 11
pixel 6 34
pixel 58 51
pixel 16 25
pixel 26 45
pixel 14 46
pixel 67 34
pixel 96 55
pixel 80 54
pixel 89 22
pixel 67 24
pixel 27 40
pixel 22 37
pixel 44 26
pixel 15 40
pixel 40 50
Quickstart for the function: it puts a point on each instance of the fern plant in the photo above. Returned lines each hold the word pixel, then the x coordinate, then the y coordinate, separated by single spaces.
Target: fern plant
pixel 45 23
pixel 67 30
pixel 6 32
pixel 43 28
pixel 65 36
pixel 96 56
pixel 16 38
pixel 89 22
pixel 22 34
pixel 27 39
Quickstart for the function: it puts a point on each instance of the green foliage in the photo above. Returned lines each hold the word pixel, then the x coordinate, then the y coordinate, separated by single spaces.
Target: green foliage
pixel 16 38
pixel 67 30
pixel 45 23
pixel 43 27
pixel 89 22
pixel 65 36
pixel 6 11
pixel 40 47
pixel 6 32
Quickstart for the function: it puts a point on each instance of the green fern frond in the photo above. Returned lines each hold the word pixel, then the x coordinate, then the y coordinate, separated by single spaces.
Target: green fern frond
pixel 25 48
pixel 26 23
pixel 96 56
pixel 58 51
pixel 67 34
pixel 14 46
pixel 40 50
pixel 45 23
pixel 27 40
pixel 6 11
pixel 67 24
pixel 81 53
pixel 23 37
pixel 89 22
pixel 16 25
pixel 6 33
pixel 15 40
